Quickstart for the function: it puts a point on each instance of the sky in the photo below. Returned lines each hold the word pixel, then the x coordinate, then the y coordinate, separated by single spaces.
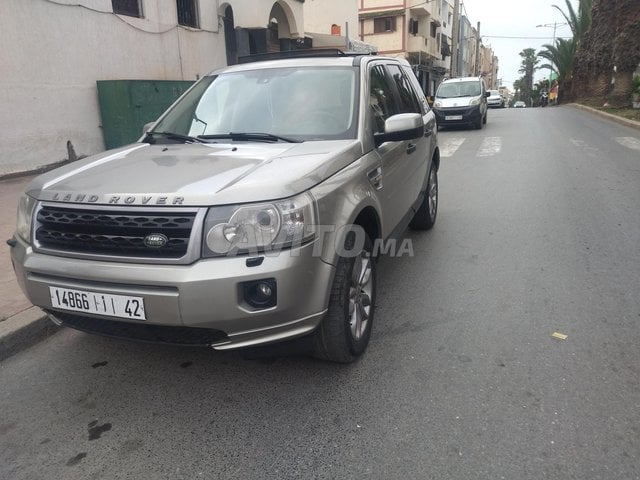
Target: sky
pixel 516 18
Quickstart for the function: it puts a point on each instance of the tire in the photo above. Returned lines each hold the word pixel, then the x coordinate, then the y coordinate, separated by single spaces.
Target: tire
pixel 478 124
pixel 484 119
pixel 425 217
pixel 344 333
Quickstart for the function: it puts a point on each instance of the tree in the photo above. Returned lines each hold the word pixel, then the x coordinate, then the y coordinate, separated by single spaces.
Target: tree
pixel 561 57
pixel 527 67
pixel 579 21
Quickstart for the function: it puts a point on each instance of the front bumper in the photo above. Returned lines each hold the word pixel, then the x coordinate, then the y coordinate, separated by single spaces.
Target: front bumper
pixel 204 295
pixel 457 115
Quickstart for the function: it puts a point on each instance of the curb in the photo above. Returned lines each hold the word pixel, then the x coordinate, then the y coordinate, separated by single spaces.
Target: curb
pixel 621 120
pixel 23 330
pixel 33 171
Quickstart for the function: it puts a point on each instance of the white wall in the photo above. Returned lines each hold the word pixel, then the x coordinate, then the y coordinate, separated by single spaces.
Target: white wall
pixel 52 55
pixel 255 13
pixel 319 15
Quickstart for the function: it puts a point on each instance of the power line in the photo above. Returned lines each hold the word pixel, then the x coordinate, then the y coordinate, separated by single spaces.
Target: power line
pixel 524 38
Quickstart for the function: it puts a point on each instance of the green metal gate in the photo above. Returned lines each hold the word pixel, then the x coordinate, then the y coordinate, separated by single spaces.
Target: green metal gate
pixel 127 105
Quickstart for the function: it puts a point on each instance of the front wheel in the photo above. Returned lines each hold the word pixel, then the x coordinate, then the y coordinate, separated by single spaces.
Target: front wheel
pixel 344 333
pixel 425 217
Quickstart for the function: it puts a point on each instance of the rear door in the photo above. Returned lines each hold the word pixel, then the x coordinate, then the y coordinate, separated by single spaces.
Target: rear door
pixel 428 117
pixel 418 153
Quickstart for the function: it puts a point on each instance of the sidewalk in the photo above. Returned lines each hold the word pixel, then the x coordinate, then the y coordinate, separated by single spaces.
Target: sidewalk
pixel 21 324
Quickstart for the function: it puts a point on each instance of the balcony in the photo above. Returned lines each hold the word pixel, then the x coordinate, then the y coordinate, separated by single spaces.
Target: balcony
pixel 424 45
pixel 420 7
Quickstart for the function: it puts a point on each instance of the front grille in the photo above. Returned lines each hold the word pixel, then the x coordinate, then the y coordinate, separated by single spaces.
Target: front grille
pixel 186 336
pixel 108 232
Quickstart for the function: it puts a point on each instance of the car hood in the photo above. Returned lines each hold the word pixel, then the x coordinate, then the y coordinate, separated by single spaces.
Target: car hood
pixel 455 102
pixel 195 174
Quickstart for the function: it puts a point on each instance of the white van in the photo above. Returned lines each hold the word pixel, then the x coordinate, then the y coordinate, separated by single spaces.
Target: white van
pixel 461 101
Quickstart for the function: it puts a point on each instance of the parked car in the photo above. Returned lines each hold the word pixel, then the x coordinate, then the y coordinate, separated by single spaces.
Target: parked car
pixel 519 104
pixel 198 236
pixel 495 100
pixel 461 101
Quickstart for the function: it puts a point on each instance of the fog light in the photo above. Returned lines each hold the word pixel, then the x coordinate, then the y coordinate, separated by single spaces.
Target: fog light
pixel 260 293
pixel 264 290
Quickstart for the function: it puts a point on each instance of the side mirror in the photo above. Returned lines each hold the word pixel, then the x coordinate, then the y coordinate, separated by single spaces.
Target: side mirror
pixel 147 127
pixel 487 94
pixel 403 126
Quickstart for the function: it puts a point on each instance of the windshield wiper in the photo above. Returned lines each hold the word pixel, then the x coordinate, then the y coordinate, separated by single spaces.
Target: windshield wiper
pixel 173 136
pixel 263 137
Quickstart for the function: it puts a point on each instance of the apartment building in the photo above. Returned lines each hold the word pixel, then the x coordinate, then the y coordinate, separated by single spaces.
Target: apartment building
pixel 488 67
pixel 411 29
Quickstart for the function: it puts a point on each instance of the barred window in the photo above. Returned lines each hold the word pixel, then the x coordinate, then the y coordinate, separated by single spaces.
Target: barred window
pixel 188 13
pixel 131 8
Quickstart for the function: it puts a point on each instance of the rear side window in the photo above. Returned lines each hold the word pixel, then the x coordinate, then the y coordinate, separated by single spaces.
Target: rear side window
pixel 408 101
pixel 417 89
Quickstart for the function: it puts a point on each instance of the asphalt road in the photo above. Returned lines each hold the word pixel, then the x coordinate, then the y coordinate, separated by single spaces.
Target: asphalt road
pixel 538 232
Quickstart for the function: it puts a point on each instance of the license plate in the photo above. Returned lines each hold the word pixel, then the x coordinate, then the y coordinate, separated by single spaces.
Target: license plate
pixel 453 117
pixel 121 306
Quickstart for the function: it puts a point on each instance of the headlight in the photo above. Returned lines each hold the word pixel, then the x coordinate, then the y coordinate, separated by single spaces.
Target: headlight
pixel 25 213
pixel 437 104
pixel 475 101
pixel 259 227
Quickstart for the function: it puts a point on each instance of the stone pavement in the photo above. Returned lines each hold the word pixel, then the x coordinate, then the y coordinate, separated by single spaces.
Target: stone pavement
pixel 12 301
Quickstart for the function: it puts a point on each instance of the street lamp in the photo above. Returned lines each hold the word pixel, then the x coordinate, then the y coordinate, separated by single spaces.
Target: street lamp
pixel 553 25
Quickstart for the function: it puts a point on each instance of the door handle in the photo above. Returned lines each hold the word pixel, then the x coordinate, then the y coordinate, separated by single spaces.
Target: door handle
pixel 375 178
pixel 428 132
pixel 411 148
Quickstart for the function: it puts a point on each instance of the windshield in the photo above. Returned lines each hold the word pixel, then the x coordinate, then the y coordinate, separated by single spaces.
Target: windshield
pixel 494 93
pixel 318 103
pixel 459 89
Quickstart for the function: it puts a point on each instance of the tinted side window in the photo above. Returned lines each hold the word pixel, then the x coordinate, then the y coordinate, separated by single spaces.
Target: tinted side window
pixel 408 101
pixel 381 97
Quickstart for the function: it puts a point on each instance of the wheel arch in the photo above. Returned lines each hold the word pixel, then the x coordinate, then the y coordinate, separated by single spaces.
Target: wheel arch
pixel 369 220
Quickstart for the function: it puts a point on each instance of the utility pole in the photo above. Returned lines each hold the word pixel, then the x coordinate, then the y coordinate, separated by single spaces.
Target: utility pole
pixel 455 33
pixel 555 25
pixel 477 65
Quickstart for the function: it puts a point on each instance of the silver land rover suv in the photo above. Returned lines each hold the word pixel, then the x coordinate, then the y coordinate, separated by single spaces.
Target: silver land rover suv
pixel 248 214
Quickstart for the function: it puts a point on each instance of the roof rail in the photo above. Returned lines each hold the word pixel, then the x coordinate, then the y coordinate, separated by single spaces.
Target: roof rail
pixel 303 53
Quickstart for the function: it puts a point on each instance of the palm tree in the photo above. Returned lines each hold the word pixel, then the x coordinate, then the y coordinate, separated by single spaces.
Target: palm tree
pixel 527 67
pixel 579 21
pixel 517 90
pixel 560 57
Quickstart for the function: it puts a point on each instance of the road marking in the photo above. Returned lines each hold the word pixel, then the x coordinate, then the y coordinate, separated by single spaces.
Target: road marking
pixel 629 142
pixel 450 145
pixel 585 147
pixel 490 146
